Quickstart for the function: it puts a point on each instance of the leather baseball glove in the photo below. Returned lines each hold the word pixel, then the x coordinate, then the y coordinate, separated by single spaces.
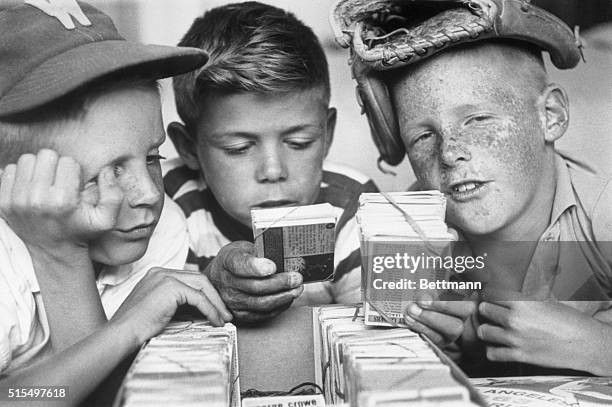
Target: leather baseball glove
pixel 389 34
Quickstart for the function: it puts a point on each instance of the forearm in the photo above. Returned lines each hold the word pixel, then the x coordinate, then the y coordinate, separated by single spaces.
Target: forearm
pixel 68 288
pixel 79 368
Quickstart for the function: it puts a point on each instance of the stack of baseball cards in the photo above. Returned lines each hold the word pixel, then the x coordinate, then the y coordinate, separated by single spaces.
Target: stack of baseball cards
pixel 367 366
pixel 404 239
pixel 188 364
pixel 297 238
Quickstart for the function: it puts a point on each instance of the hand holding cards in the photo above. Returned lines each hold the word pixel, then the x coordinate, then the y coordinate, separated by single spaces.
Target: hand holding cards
pixel 297 238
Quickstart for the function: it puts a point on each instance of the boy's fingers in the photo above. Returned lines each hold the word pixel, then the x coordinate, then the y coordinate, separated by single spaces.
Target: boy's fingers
pixel 25 168
pixel 460 309
pixel 45 167
pixel 110 198
pixel 199 300
pixel 417 326
pixel 23 179
pixel 270 303
pixel 200 282
pixel 446 325
pixel 494 313
pixel 213 296
pixel 43 196
pixel 274 284
pixel 493 334
pixel 502 354
pixel 238 260
pixel 68 175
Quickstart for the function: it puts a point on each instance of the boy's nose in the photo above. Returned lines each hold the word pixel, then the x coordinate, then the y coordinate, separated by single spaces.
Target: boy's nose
pixel 272 167
pixel 453 151
pixel 142 191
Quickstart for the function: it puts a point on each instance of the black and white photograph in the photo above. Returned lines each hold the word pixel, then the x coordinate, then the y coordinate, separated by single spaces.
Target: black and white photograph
pixel 291 203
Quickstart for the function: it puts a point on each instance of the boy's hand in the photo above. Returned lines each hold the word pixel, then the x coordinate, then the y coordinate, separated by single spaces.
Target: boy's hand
pixel 546 333
pixel 155 299
pixel 42 200
pixel 249 286
pixel 441 321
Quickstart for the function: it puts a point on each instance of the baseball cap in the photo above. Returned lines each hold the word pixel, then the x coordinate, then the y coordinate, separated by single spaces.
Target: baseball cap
pixel 49 48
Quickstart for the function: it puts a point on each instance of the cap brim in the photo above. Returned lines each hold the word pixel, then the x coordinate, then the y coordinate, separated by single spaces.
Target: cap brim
pixel 70 70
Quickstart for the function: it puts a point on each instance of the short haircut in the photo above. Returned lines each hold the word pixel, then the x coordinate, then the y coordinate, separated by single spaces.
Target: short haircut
pixel 31 131
pixel 525 62
pixel 253 47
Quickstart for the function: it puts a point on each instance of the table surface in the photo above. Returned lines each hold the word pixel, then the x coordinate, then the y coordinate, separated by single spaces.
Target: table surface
pixel 278 354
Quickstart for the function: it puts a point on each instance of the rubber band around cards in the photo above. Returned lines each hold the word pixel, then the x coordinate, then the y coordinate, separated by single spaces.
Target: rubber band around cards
pixel 324 374
pixel 406 378
pixel 356 314
pixel 412 223
pixel 299 390
pixel 275 222
pixel 399 345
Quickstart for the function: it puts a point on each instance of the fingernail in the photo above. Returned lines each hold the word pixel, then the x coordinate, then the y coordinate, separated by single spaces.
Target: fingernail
pixel 264 266
pixel 228 316
pixel 426 300
pixel 414 309
pixel 296 279
pixel 408 319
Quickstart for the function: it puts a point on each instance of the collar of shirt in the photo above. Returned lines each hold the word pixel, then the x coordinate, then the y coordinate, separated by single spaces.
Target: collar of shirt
pixel 564 198
pixel 114 275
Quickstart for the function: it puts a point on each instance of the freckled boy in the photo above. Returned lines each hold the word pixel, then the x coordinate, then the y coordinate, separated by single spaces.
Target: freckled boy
pixel 462 89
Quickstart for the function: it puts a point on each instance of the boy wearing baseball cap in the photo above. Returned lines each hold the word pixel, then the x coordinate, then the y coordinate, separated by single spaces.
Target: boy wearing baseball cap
pixel 256 129
pixel 81 199
pixel 461 89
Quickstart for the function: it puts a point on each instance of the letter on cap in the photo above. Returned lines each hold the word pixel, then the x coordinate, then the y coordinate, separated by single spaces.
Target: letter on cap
pixel 62 10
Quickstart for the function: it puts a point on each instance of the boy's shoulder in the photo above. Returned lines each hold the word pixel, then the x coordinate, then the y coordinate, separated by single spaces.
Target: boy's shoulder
pixel 341 185
pixel 180 179
pixel 593 192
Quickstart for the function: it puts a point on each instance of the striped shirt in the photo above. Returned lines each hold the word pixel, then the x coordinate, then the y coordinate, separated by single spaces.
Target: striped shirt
pixel 210 227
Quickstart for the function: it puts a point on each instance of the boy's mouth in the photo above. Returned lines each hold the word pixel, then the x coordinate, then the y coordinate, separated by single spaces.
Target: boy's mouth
pixel 466 190
pixel 138 232
pixel 275 203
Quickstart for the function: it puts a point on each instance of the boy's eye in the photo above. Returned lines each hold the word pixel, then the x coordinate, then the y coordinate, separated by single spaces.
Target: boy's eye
pixel 299 144
pixel 154 159
pixel 422 137
pixel 477 119
pixel 237 149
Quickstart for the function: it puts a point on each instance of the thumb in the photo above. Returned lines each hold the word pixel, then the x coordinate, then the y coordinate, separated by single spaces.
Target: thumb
pixel 238 259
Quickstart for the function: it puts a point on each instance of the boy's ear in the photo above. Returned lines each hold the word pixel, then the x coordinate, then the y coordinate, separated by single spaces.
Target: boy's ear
pixel 331 127
pixel 556 110
pixel 185 145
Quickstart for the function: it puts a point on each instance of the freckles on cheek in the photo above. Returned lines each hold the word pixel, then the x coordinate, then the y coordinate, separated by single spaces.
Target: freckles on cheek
pixel 422 163
pixel 507 145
